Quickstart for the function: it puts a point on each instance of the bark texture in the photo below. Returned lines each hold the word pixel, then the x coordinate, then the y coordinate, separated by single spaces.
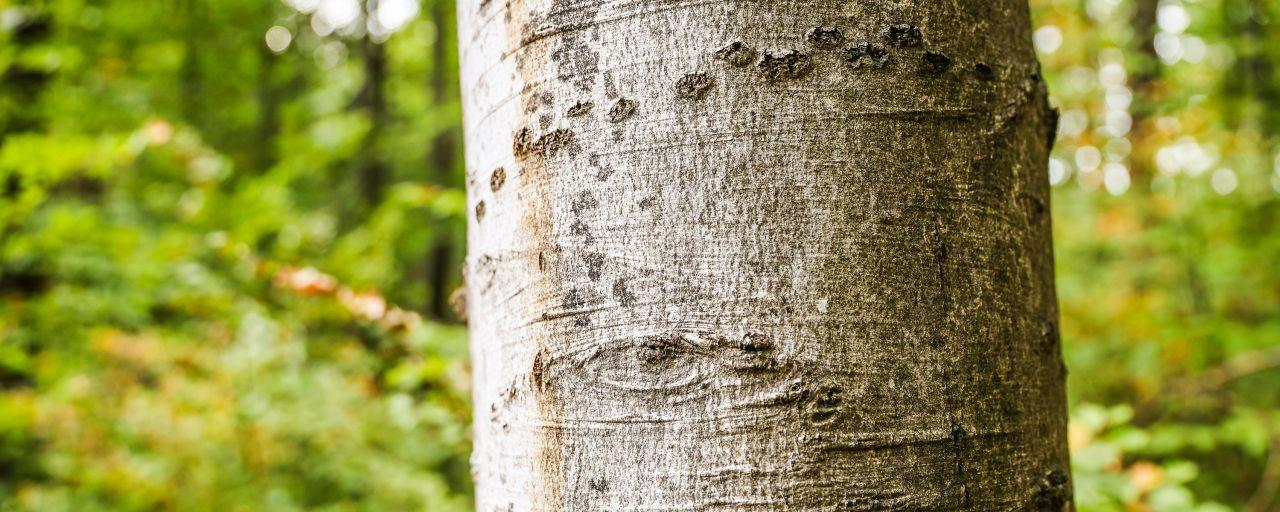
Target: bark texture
pixel 767 255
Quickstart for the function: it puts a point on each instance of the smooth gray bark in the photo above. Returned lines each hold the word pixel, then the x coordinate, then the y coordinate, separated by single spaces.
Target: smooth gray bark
pixel 765 255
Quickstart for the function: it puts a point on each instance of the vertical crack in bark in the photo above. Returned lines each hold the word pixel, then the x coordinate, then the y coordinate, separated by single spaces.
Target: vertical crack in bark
pixel 945 348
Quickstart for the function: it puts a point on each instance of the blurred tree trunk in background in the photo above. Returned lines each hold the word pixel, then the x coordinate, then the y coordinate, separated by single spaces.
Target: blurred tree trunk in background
pixel 24 85
pixel 443 159
pixel 374 172
pixel 1146 77
pixel 1260 66
pixel 269 99
pixel 767 255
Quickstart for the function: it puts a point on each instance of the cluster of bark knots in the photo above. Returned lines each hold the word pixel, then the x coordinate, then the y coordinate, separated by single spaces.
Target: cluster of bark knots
pixel 807 269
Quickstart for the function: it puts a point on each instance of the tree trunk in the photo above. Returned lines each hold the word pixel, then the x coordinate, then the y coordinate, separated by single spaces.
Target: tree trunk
pixel 761 256
pixel 374 172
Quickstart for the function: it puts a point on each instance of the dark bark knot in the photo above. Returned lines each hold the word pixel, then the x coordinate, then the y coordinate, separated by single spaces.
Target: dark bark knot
pixel 984 71
pixel 657 363
pixel 754 354
pixel 824 404
pixel 480 210
pixel 547 145
pixel 621 110
pixel 1049 336
pixel 497 179
pixel 522 142
pixel 636 370
pixel 824 38
pixel 905 36
pixel 1053 493
pixel 655 350
pixel 1051 126
pixel 755 342
pixel 736 54
pixel 693 85
pixel 580 108
pixel 1036 205
pixel 866 53
pixel 538 372
pixel 935 63
pixel 552 142
pixel 787 66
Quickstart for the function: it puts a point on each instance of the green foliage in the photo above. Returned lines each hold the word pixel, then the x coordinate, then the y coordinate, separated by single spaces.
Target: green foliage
pixel 225 256
pixel 200 307
pixel 1166 205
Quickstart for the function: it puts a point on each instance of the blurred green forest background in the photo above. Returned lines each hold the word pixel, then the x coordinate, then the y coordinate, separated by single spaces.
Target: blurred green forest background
pixel 230 229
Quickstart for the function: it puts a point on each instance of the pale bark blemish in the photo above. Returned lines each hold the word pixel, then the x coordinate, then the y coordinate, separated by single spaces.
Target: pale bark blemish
pixel 602 172
pixel 585 201
pixel 693 85
pixel 737 54
pixel 622 109
pixel 573 299
pixel 610 85
pixel 595 265
pixel 534 100
pixel 824 38
pixel 622 294
pixel 790 65
pixel 580 228
pixel 577 63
